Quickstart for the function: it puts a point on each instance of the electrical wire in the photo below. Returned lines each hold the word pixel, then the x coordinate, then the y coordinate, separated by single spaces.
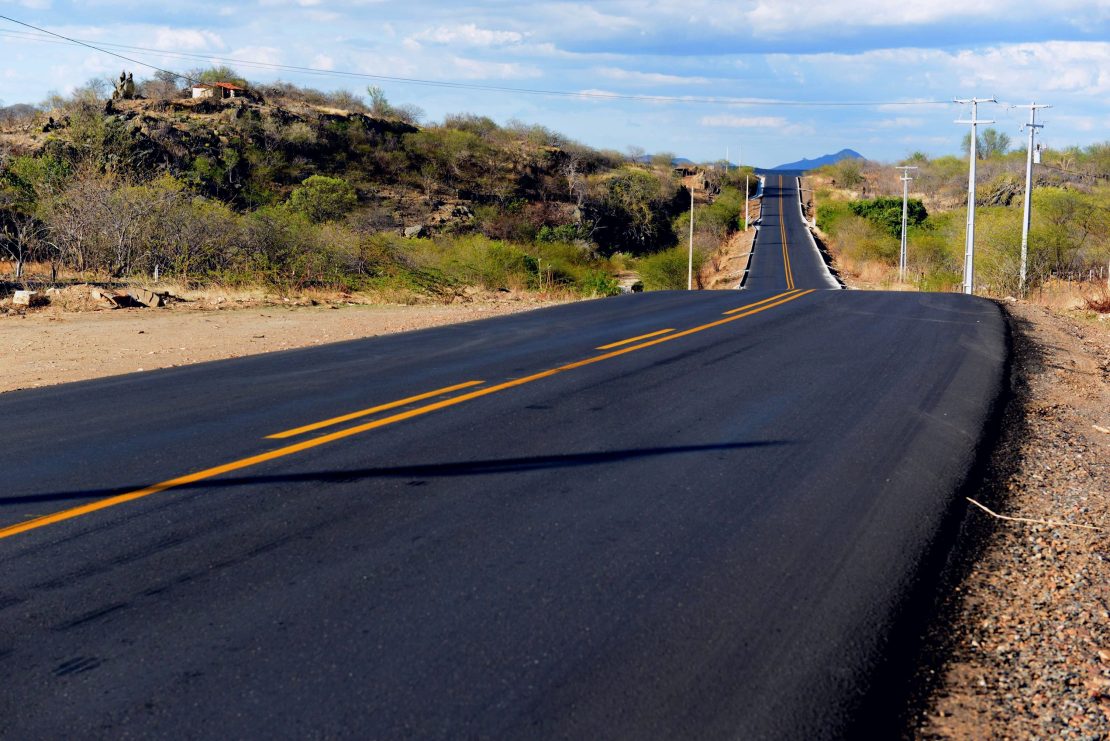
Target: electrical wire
pixel 590 95
pixel 94 48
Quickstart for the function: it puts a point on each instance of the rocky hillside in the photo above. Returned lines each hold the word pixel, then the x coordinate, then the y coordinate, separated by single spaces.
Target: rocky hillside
pixel 291 186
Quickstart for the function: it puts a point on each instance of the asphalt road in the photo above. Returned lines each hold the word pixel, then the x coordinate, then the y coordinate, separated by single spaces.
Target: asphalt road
pixel 726 529
pixel 785 255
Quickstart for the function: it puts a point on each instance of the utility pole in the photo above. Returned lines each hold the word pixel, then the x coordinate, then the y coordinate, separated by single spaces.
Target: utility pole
pixel 690 261
pixel 1032 126
pixel 969 248
pixel 747 200
pixel 905 204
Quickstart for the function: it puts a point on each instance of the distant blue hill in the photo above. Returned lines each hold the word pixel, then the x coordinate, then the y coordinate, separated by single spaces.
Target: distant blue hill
pixel 827 159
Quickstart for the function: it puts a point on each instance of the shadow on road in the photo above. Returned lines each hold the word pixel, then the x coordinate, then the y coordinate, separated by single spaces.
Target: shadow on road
pixel 422 471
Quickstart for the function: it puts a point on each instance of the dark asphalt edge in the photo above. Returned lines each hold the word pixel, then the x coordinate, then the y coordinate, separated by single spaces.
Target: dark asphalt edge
pixel 903 679
pixel 943 634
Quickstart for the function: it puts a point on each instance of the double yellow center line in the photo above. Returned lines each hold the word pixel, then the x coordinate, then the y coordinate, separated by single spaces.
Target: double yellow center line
pixel 785 251
pixel 637 343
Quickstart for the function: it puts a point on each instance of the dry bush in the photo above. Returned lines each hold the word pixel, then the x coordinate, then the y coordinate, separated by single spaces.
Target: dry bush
pixel 1099 299
pixel 1062 295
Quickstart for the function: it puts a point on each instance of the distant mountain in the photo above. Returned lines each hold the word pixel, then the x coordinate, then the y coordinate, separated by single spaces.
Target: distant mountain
pixel 827 159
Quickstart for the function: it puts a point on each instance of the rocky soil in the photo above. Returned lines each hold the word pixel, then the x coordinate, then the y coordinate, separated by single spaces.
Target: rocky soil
pixel 1028 634
pixel 46 346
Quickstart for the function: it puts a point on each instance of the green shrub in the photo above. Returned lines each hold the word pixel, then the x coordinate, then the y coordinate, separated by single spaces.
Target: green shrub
pixel 598 283
pixel 830 213
pixel 321 198
pixel 668 270
pixel 886 212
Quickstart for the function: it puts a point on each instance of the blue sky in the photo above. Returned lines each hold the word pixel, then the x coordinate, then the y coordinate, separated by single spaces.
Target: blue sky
pixel 783 54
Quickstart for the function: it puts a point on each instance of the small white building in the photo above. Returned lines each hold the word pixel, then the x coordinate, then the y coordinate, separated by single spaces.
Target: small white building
pixel 218 90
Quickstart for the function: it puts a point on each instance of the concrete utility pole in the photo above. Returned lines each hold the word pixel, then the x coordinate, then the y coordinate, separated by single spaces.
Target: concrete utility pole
pixel 969 250
pixel 747 200
pixel 1032 126
pixel 690 261
pixel 905 207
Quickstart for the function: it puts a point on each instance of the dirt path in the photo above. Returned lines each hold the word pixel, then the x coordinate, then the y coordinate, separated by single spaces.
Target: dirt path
pixel 1030 639
pixel 46 347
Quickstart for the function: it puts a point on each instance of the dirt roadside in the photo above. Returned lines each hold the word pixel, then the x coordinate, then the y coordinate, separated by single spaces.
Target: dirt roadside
pixel 1026 641
pixel 46 347
pixel 725 267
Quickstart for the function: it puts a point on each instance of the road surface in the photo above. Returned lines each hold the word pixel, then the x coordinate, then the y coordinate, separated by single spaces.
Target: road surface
pixel 703 514
pixel 785 255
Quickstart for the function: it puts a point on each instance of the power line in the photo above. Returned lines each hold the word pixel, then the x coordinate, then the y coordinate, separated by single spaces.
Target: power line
pixel 94 48
pixel 707 100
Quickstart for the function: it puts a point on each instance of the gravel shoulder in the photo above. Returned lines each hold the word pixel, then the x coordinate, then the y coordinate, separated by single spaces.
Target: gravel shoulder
pixel 1025 648
pixel 46 347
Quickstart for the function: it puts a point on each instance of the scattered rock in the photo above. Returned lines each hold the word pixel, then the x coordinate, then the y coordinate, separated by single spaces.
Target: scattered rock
pixel 1030 647
pixel 29 298
pixel 416 232
pixel 147 298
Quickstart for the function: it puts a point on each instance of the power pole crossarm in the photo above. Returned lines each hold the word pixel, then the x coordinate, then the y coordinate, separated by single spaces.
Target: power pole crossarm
pixel 969 248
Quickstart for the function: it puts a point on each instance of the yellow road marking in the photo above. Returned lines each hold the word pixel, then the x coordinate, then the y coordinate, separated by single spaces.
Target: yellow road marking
pixel 758 303
pixel 254 460
pixel 630 340
pixel 372 410
pixel 789 271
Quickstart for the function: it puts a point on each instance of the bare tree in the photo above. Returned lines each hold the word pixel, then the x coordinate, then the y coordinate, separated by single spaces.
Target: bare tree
pixel 21 235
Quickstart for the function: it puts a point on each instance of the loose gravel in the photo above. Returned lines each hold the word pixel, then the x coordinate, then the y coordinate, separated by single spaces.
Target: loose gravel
pixel 1028 634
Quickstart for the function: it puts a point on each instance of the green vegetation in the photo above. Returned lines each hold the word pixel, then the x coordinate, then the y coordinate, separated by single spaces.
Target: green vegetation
pixel 886 213
pixel 668 270
pixel 321 198
pixel 1069 237
pixel 293 188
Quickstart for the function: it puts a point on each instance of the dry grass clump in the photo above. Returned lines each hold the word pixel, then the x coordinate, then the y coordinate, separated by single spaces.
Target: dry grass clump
pixel 1064 295
pixel 1099 300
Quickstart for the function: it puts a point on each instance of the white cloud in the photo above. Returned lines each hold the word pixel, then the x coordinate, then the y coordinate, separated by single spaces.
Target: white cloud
pixel 181 39
pixel 469 34
pixel 745 122
pixel 580 18
pixel 648 78
pixel 778 124
pixel 597 95
pixel 1079 123
pixel 323 61
pixel 473 69
pixel 901 122
pixel 1008 70
pixel 263 54
pixel 785 15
